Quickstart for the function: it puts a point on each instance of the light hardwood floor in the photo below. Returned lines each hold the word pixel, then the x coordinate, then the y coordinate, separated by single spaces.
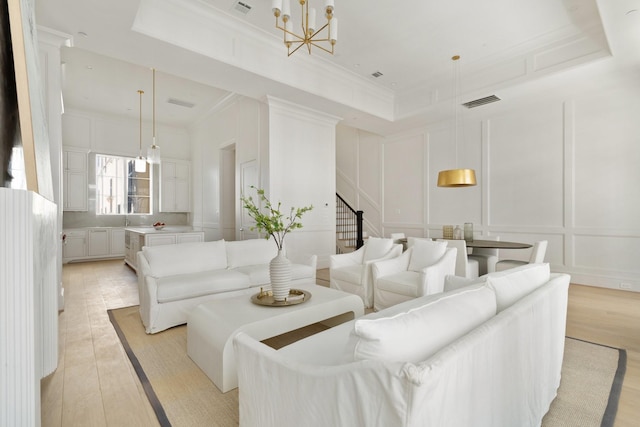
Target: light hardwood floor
pixel 95 384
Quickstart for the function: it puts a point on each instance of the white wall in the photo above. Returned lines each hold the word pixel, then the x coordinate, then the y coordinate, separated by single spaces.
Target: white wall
pixel 293 152
pixel 302 173
pixel 558 168
pixel 237 122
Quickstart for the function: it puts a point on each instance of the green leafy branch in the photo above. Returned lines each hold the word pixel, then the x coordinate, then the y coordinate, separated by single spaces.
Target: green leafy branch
pixel 272 222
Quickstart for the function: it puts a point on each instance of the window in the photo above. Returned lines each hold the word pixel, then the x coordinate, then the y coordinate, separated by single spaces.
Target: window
pixel 120 190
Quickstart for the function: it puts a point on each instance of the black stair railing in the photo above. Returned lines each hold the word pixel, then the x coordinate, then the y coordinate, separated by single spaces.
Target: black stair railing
pixel 349 223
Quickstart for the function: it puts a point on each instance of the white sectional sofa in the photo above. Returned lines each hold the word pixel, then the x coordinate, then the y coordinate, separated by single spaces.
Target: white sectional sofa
pixel 173 279
pixel 488 354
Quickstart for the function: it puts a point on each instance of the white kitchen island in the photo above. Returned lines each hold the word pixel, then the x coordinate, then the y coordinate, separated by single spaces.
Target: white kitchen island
pixel 137 237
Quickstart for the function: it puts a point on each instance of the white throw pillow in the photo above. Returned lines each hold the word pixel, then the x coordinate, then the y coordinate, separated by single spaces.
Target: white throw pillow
pixel 250 252
pixel 419 333
pixel 171 260
pixel 511 285
pixel 426 253
pixel 377 247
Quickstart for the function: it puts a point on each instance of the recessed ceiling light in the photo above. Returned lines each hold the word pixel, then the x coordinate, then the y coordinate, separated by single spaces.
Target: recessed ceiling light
pixel 89 67
pixel 631 12
pixel 83 34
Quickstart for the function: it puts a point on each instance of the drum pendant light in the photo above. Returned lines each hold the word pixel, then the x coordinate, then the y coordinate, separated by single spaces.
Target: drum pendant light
pixel 456 177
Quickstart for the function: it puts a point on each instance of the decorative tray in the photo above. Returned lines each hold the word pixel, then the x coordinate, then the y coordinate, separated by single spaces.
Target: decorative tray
pixel 296 296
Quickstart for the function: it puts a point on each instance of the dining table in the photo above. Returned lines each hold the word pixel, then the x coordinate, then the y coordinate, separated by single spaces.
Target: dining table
pixel 485 244
pixel 496 244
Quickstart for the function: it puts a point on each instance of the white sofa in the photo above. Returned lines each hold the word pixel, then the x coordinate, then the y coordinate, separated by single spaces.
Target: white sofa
pixel 172 279
pixel 485 355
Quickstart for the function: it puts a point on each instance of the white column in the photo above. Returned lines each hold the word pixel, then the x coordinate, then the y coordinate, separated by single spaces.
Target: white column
pixel 27 270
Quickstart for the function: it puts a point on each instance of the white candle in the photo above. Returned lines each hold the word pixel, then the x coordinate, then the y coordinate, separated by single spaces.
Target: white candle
pixel 333 36
pixel 276 7
pixel 312 20
pixel 328 5
pixel 286 8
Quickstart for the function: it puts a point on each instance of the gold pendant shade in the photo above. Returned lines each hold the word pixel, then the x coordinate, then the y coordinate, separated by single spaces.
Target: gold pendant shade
pixel 457 178
pixel 454 178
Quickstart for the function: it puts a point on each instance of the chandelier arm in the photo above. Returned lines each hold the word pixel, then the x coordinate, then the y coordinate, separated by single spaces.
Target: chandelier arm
pixel 291 52
pixel 322 47
pixel 285 31
pixel 317 31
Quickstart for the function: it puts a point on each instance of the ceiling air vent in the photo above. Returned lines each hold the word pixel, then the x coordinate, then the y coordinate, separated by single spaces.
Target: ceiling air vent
pixel 181 103
pixel 481 101
pixel 241 7
pixel 376 74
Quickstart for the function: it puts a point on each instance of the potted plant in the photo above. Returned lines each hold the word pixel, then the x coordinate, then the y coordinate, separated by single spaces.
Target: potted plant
pixel 273 223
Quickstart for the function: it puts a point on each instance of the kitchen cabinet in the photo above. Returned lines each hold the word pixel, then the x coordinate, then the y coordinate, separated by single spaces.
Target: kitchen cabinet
pixel 99 242
pixel 190 237
pixel 117 246
pixel 74 180
pixel 75 245
pixel 82 244
pixel 175 186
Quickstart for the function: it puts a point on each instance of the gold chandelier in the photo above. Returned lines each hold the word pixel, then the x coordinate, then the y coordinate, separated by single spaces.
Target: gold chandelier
pixel 310 33
pixel 456 177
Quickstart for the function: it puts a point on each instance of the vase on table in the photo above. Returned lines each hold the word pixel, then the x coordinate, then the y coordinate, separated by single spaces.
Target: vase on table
pixel 280 276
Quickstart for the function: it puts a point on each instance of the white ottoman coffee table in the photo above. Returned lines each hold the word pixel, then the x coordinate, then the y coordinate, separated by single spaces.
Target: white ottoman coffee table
pixel 211 326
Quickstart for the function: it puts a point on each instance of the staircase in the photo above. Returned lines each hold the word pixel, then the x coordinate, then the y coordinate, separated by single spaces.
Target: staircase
pixel 349 233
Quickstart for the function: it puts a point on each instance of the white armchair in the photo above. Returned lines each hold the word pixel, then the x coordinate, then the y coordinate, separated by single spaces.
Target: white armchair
pixel 351 272
pixel 419 271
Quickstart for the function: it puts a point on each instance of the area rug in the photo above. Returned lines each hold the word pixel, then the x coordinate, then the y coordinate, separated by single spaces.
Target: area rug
pixel 182 395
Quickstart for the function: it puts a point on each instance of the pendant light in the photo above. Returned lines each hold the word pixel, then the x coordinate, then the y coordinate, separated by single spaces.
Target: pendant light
pixel 153 152
pixel 141 163
pixel 456 177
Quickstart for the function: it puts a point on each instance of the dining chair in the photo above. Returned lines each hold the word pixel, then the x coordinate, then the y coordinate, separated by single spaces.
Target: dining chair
pixel 537 256
pixel 411 241
pixel 400 239
pixel 465 266
pixel 487 257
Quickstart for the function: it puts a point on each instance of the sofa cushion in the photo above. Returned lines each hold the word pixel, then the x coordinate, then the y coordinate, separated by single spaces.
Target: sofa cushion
pixel 511 285
pixel 250 252
pixel 403 283
pixel 419 333
pixel 426 253
pixel 191 285
pixel 377 247
pixel 171 260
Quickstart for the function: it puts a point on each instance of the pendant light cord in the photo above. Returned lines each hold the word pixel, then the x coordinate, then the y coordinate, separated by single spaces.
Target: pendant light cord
pixel 140 152
pixel 154 106
pixel 456 83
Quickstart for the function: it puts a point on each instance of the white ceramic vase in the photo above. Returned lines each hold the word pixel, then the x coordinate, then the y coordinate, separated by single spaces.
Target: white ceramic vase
pixel 280 275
